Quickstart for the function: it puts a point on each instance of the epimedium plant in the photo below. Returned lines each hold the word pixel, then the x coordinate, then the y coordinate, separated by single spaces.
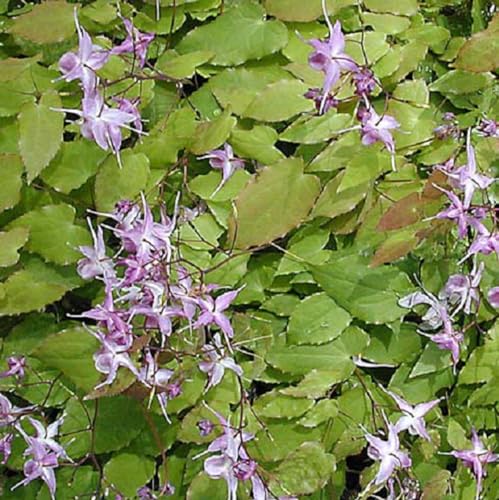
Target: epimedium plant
pixel 249 249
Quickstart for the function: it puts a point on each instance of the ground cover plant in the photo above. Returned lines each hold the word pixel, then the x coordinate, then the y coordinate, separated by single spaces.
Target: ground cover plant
pixel 249 249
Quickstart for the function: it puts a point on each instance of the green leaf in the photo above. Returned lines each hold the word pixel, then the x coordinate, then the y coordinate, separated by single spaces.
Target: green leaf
pixel 304 471
pixel 458 82
pixel 211 134
pixel 107 411
pixel 127 472
pixel 294 10
pixel 203 487
pixel 113 183
pixel 275 405
pixel 323 411
pixel 40 133
pixel 241 33
pixel 71 351
pixel 35 286
pixel 431 360
pixel 48 22
pixel 205 185
pixel 335 355
pixel 278 440
pixel 278 199
pixel 53 234
pixel 368 294
pixel 237 87
pixel 403 7
pixel 12 169
pixel 279 101
pixel 10 243
pixel 75 163
pixel 481 52
pixel 331 203
pixel 317 320
pixel 184 66
pixel 316 129
pixel 386 23
pixel 482 364
pixel 257 143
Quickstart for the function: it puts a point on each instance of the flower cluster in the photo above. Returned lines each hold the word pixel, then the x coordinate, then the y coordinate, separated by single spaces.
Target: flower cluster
pixel 43 450
pixel 100 122
pixel 144 286
pixel 330 58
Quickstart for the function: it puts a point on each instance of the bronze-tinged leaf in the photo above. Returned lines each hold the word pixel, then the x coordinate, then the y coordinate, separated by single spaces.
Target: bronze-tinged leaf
pixel 393 249
pixel 481 52
pixel 276 201
pixel 437 178
pixel 402 213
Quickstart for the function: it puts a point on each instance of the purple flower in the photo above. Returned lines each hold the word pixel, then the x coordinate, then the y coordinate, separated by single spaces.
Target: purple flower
pixel 489 128
pixel 435 315
pixel 224 160
pixel 109 358
pixel 476 459
pixel 205 427
pixel 413 420
pixel 153 376
pixel 8 412
pixel 5 447
pixel 485 242
pixel 322 103
pixel 213 312
pixel 330 58
pixel 145 493
pixel 16 365
pixel 135 43
pixel 233 463
pixel 217 362
pixel 388 454
pixel 463 290
pixel 130 107
pixel 95 263
pixel 456 212
pixel 448 339
pixel 493 297
pixel 45 452
pixel 100 123
pixel 83 64
pixel 364 81
pixel 41 465
pixel 375 128
pixel 466 177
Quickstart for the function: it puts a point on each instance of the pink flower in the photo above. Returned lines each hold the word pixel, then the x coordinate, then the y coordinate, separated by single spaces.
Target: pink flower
pixel 375 128
pixel 457 212
pixel 213 312
pixel 476 459
pixel 330 58
pixel 413 420
pixel 5 447
pixel 388 454
pixel 95 263
pixel 364 81
pixel 224 160
pixel 322 103
pixel 135 43
pixel 489 128
pixel 463 290
pixel 466 177
pixel 16 365
pixel 493 297
pixel 83 64
pixel 217 362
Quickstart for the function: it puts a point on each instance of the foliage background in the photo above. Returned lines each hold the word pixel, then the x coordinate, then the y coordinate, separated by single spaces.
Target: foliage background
pixel 322 234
